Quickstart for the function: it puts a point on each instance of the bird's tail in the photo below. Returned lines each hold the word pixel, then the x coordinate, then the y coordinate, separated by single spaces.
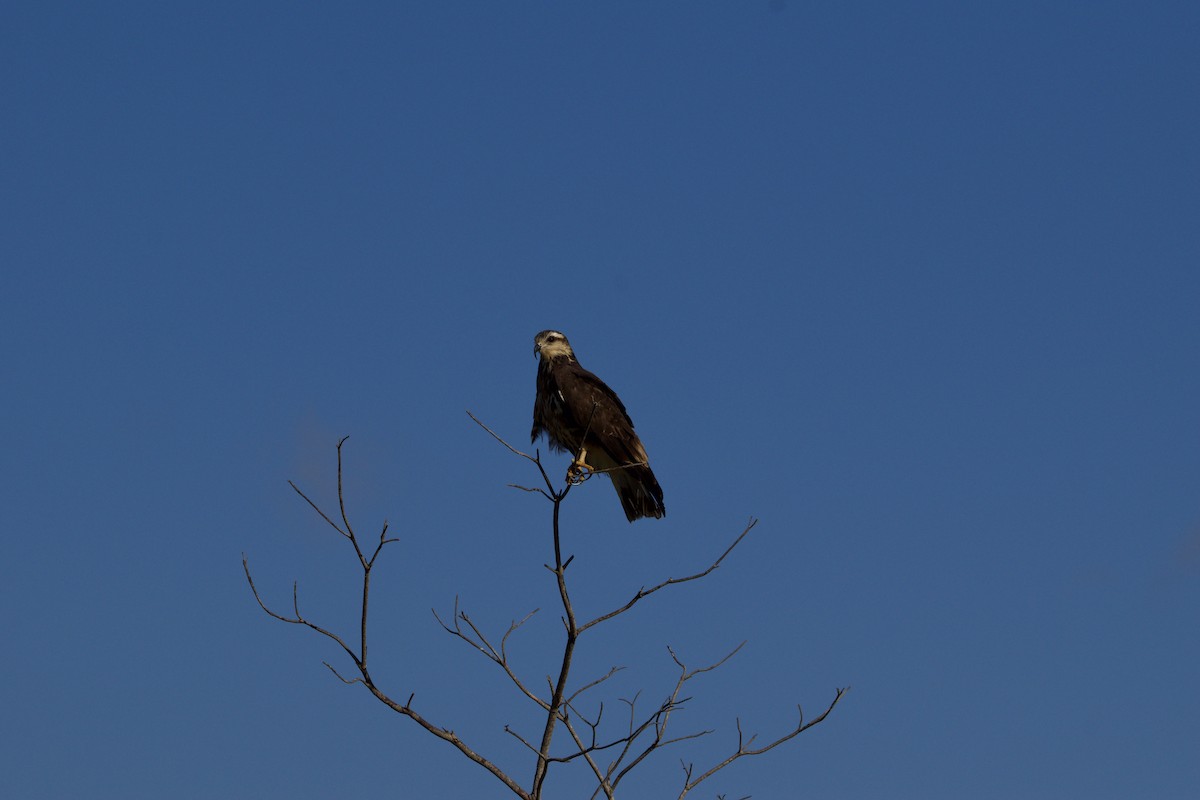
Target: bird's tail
pixel 640 494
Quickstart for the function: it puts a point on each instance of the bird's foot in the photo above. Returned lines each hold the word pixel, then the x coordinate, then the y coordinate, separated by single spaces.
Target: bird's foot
pixel 578 472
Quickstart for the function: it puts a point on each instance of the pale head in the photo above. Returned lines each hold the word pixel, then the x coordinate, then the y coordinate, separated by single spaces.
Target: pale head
pixel 552 344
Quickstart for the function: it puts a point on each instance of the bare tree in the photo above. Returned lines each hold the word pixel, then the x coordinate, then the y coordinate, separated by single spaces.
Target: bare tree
pixel 609 751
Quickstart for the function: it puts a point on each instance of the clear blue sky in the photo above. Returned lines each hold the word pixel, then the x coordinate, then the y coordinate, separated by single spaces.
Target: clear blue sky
pixel 914 284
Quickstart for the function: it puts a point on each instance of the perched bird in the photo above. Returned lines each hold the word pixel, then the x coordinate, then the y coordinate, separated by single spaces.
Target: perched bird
pixel 582 416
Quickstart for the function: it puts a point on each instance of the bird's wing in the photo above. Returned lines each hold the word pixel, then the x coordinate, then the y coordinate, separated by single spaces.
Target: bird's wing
pixel 596 407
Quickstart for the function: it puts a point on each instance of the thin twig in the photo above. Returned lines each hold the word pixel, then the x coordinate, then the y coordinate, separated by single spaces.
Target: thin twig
pixel 500 439
pixel 316 508
pixel 551 494
pixel 744 749
pixel 644 593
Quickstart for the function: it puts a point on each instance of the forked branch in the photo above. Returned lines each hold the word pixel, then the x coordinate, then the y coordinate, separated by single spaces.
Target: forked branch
pixel 744 748
pixel 359 656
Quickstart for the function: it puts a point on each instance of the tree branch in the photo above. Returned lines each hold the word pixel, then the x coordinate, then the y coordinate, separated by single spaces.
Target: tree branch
pixel 744 749
pixel 644 593
pixel 360 658
pixel 481 644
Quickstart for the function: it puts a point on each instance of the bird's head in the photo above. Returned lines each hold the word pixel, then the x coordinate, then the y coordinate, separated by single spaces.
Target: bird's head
pixel 551 345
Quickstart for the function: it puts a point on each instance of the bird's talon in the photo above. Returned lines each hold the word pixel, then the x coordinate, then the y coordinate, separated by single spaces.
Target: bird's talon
pixel 578 473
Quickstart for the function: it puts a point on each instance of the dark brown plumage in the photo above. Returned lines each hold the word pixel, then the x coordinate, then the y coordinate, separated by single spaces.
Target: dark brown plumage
pixel 570 400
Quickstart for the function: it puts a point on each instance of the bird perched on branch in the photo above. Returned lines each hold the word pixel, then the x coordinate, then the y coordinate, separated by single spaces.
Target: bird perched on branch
pixel 582 416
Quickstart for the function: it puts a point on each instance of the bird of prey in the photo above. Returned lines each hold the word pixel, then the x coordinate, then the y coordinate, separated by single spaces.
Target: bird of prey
pixel 582 416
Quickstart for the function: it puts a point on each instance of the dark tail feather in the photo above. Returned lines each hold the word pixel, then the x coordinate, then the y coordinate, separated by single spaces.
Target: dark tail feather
pixel 640 494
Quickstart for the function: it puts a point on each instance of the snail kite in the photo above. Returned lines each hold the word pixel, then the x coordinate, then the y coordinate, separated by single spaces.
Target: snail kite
pixel 582 416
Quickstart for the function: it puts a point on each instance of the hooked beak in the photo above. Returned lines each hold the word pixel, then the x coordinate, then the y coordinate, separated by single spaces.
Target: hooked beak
pixel 537 350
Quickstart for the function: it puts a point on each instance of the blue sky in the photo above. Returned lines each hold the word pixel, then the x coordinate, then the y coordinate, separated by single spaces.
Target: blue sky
pixel 913 284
